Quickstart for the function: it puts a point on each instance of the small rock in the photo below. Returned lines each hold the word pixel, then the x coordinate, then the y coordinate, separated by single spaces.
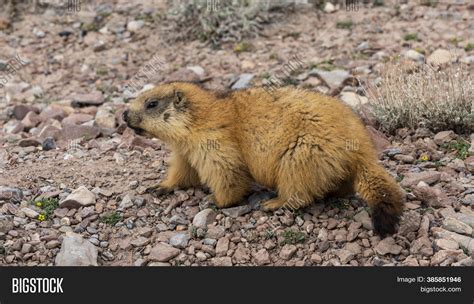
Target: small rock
pixel 243 81
pixel 410 222
pixel 287 251
pixel 412 179
pixel 76 251
pixel 447 244
pixel 262 257
pixel 204 218
pixel 127 202
pixel 353 100
pixel 457 226
pixel 135 25
pixel 222 246
pixel 95 98
pixel 329 8
pixel 345 256
pixel 444 137
pixel 414 55
pixel 140 241
pixel 163 253
pixel 13 195
pixel 364 218
pixel 81 197
pixel 237 211
pixel 443 255
pixel 440 57
pixel 29 212
pixel 334 79
pixel 49 144
pixel 221 261
pixel 6 223
pixel 387 246
pixel 179 240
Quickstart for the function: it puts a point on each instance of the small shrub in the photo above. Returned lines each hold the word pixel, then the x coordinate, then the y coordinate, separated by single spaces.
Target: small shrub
pixel 424 97
pixel 409 37
pixel 461 147
pixel 293 237
pixel 111 218
pixel 346 24
pixel 47 206
pixel 469 47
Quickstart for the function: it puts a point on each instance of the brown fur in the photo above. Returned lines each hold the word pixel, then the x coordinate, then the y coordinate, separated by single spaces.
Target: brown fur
pixel 303 144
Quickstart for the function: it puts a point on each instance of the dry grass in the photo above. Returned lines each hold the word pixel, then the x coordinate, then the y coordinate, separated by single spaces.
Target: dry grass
pixel 423 96
pixel 226 21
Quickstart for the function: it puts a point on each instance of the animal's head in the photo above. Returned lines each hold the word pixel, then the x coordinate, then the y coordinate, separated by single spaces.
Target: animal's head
pixel 163 112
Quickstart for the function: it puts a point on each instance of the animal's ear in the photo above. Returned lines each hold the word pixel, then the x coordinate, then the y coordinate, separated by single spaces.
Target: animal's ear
pixel 179 100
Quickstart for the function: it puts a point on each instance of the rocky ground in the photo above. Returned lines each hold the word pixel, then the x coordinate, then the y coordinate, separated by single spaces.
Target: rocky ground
pixel 73 177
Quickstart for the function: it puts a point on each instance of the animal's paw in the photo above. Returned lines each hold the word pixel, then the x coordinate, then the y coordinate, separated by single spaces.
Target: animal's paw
pixel 158 190
pixel 272 204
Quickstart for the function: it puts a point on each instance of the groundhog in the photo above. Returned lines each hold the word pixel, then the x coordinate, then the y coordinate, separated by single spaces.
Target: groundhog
pixel 302 144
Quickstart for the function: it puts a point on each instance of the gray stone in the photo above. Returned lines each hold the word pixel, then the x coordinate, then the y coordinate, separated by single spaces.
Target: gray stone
pixel 334 79
pixel 410 222
pixel 345 256
pixel 236 211
pixel 81 197
pixel 444 137
pixel 76 251
pixel 179 240
pixel 243 81
pixel 6 223
pixel 204 218
pixel 364 218
pixel 457 226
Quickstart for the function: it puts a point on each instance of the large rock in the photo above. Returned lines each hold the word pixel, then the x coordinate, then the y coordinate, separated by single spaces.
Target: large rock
pixel 77 119
pixel 105 118
pixel 71 132
pixel 76 251
pixel 81 197
pixel 31 120
pixel 204 218
pixel 162 253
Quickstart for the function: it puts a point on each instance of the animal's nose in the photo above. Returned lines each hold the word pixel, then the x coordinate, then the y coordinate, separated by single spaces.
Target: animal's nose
pixel 125 115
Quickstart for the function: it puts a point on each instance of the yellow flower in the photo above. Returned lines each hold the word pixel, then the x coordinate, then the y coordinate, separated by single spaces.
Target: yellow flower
pixel 424 157
pixel 41 217
pixel 39 204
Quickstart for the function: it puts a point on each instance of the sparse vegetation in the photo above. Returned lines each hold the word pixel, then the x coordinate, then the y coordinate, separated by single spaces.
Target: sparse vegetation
pixel 412 36
pixel 293 237
pixel 111 218
pixel 226 22
pixel 427 97
pixel 460 146
pixel 346 24
pixel 47 206
pixel 469 47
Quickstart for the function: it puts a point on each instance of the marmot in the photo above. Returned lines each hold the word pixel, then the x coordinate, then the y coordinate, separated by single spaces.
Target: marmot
pixel 303 144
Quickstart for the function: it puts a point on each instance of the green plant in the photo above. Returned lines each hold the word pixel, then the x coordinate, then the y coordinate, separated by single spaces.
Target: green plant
pixel 412 36
pixel 346 24
pixel 469 47
pixel 461 147
pixel 47 206
pixel 243 46
pixel 293 237
pixel 111 218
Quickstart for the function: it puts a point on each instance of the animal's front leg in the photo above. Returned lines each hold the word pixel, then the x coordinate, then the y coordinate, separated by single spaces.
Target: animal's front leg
pixel 180 175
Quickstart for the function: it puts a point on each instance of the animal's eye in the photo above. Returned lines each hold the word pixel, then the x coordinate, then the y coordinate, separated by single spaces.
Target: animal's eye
pixel 153 103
